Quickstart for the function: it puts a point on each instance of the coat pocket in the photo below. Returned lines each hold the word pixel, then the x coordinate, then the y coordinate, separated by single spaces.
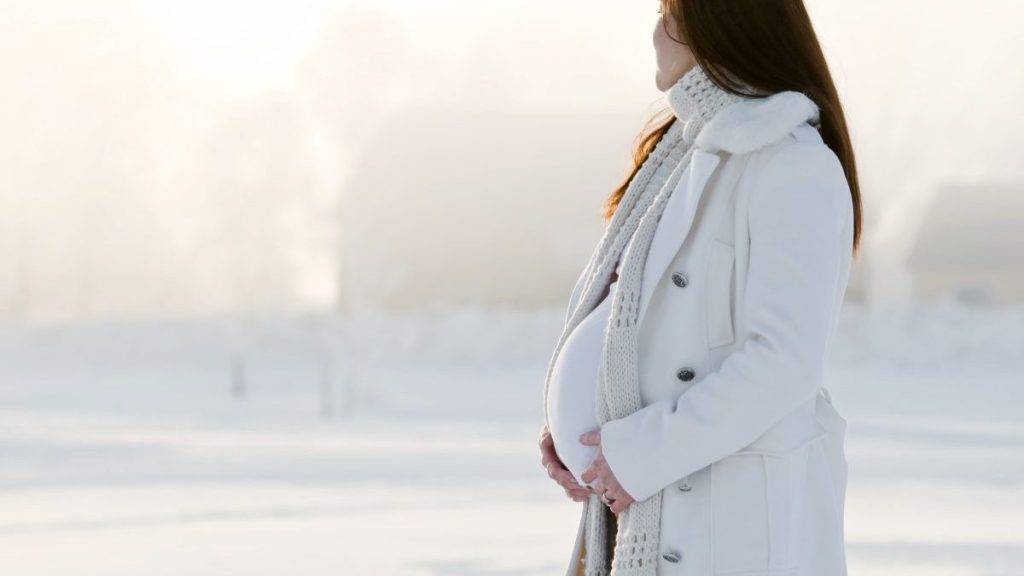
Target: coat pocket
pixel 718 293
pixel 739 514
pixel 753 502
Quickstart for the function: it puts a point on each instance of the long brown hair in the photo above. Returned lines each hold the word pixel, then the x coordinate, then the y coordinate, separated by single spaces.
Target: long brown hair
pixel 771 46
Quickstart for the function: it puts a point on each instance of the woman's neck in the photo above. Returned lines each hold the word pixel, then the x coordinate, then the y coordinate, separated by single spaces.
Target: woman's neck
pixel 695 99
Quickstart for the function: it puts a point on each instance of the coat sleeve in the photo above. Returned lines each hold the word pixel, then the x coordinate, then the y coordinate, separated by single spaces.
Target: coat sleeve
pixel 796 215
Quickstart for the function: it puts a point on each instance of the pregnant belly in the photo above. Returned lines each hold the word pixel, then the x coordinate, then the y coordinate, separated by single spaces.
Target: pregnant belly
pixel 572 394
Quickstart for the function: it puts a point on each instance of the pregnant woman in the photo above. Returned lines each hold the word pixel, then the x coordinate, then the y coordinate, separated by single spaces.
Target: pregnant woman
pixel 684 403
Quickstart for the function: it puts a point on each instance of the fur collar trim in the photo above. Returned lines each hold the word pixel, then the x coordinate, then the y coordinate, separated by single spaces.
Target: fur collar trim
pixel 754 123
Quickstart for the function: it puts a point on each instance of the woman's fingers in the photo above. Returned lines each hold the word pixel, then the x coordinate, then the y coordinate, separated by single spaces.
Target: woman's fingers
pixel 560 474
pixel 555 467
pixel 547 450
pixel 578 495
pixel 545 439
pixel 592 438
pixel 557 470
pixel 622 502
pixel 568 482
pixel 565 478
pixel 552 468
pixel 590 474
pixel 545 443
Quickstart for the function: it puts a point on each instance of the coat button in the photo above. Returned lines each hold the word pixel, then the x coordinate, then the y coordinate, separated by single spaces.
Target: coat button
pixel 672 556
pixel 680 279
pixel 685 374
pixel 684 486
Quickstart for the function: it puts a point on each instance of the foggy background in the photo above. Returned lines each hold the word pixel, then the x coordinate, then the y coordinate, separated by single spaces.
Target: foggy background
pixel 193 158
pixel 263 264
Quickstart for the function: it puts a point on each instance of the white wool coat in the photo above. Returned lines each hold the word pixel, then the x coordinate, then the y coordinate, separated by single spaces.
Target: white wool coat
pixel 740 300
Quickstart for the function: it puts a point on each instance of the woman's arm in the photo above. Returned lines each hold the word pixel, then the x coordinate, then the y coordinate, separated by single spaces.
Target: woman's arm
pixel 797 211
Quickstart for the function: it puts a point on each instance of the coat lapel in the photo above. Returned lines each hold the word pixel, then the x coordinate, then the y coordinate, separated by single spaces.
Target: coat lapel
pixel 675 223
pixel 738 129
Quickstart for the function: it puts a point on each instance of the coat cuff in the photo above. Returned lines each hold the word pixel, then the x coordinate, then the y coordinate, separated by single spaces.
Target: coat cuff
pixel 618 445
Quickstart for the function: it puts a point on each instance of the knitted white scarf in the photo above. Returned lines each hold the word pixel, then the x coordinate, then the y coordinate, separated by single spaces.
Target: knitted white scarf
pixel 634 549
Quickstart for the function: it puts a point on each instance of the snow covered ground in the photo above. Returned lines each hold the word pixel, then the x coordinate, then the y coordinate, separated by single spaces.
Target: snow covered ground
pixel 130 449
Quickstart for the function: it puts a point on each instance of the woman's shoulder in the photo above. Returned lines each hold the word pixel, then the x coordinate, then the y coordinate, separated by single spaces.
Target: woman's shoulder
pixel 800 151
pixel 798 172
pixel 786 163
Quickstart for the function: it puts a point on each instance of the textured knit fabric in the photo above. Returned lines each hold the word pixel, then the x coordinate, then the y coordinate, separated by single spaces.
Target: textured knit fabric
pixel 628 545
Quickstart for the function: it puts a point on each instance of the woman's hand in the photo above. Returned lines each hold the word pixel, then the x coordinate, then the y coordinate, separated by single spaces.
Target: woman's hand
pixel 609 486
pixel 557 470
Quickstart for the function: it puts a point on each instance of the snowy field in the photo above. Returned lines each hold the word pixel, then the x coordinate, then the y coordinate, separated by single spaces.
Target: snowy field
pixel 140 449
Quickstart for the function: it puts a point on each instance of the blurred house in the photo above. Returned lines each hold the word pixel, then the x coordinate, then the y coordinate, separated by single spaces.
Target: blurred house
pixel 968 245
